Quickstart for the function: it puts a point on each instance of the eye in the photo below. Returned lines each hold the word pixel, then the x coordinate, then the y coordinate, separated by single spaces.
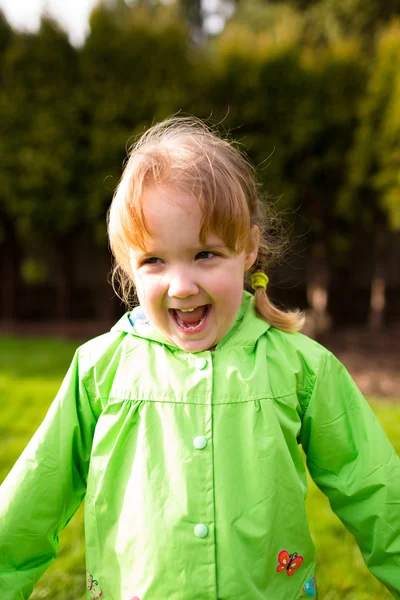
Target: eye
pixel 151 260
pixel 205 255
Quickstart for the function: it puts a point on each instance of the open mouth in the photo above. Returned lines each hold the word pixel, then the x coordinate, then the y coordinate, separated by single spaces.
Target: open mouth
pixel 192 320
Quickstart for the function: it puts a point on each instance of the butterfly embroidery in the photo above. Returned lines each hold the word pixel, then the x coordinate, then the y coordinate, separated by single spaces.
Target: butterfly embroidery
pixel 93 587
pixel 310 587
pixel 288 562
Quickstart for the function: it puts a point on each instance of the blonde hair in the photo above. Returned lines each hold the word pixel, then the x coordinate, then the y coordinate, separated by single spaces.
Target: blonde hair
pixel 186 155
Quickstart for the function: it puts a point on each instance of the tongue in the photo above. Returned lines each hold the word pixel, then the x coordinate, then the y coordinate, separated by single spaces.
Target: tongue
pixel 191 317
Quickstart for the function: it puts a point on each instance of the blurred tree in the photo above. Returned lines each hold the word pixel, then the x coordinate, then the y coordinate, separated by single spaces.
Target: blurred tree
pixel 280 24
pixel 330 20
pixel 193 13
pixel 353 13
pixel 9 247
pixel 6 33
pixel 387 179
pixel 40 127
pixel 299 4
pixel 322 21
pixel 361 16
pixel 189 11
pixel 337 79
pixel 372 195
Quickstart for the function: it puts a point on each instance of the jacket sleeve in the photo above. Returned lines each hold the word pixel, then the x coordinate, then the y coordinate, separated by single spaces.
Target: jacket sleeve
pixel 45 488
pixel 353 463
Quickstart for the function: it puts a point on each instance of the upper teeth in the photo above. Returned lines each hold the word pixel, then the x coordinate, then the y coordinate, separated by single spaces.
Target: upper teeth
pixel 188 309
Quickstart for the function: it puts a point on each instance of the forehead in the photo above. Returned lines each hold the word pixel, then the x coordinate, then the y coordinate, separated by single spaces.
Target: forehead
pixel 166 210
pixel 161 198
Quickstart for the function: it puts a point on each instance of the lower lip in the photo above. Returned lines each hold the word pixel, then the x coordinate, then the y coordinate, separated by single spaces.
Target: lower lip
pixel 193 330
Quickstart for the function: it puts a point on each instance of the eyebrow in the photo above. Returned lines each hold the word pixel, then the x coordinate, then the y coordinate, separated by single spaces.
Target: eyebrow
pixel 200 247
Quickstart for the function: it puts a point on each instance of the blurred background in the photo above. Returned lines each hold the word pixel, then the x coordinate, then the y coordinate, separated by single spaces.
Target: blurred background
pixel 309 89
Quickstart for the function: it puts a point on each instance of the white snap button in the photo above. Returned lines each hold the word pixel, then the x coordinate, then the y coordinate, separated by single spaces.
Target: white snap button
pixel 200 442
pixel 201 363
pixel 201 530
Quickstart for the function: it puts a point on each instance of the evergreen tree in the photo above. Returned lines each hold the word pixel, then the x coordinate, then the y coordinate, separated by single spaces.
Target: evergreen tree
pixel 9 247
pixel 371 198
pixel 39 145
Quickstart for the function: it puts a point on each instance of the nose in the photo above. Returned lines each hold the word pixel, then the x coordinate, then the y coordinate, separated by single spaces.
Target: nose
pixel 181 284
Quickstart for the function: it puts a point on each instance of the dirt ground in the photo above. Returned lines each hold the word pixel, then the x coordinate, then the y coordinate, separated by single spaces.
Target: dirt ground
pixel 372 359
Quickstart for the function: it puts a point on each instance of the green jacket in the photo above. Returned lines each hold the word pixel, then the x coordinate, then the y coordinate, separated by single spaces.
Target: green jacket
pixel 191 465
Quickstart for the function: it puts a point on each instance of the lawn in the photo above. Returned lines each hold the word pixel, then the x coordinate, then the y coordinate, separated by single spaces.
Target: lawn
pixel 30 373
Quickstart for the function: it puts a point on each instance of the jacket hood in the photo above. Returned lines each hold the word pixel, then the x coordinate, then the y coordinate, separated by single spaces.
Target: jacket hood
pixel 245 331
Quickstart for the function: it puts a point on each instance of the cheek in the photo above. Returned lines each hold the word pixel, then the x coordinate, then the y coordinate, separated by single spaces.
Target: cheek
pixel 229 292
pixel 149 290
pixel 230 284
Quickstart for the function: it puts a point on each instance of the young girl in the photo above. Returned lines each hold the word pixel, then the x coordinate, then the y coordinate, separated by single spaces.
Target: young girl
pixel 183 425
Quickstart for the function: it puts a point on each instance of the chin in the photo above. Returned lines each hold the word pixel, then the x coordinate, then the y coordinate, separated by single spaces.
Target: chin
pixel 195 345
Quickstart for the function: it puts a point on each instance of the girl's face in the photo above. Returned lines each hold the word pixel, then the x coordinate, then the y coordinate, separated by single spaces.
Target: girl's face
pixel 190 291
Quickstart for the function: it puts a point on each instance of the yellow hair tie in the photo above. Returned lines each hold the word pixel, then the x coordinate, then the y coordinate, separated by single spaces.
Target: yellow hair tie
pixel 259 280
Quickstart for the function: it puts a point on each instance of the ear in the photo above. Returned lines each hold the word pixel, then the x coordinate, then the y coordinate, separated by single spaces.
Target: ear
pixel 252 247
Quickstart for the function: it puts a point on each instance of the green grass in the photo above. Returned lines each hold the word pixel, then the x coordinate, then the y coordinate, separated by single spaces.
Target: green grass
pixel 30 374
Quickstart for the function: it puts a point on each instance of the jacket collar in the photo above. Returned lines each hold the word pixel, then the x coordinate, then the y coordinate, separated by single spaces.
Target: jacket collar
pixel 245 331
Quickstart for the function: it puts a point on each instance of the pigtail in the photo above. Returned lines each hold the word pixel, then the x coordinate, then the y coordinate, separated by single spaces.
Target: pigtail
pixel 289 321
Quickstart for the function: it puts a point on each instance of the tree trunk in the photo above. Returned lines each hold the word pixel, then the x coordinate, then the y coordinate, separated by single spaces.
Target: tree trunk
pixel 9 273
pixel 318 319
pixel 63 277
pixel 378 283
